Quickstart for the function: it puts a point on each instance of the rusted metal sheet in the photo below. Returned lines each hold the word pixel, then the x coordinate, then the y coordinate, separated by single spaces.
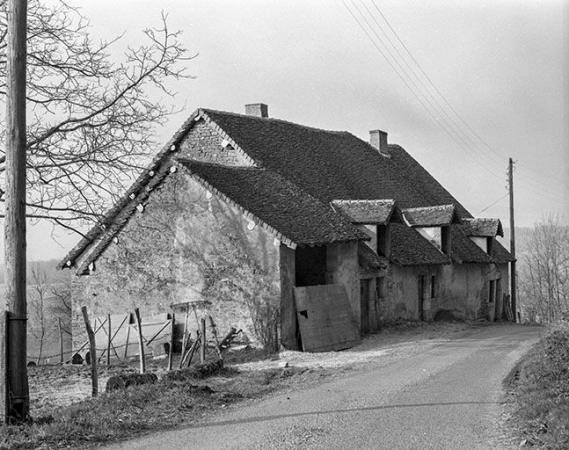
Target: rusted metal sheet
pixel 325 318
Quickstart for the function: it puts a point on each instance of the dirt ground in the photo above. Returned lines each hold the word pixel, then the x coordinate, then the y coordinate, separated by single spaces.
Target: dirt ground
pixel 63 385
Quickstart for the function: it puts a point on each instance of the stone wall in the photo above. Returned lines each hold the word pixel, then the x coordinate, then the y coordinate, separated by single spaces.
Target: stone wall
pixel 203 143
pixel 188 245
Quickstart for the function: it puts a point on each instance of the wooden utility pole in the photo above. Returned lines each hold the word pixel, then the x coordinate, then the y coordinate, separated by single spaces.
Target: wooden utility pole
pixel 15 395
pixel 512 241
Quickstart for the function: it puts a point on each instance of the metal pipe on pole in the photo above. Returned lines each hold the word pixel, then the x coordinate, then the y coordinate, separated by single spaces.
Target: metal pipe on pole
pixel 14 371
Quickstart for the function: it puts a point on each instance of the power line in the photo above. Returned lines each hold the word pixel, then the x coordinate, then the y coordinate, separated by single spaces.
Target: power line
pixel 489 206
pixel 412 91
pixel 429 101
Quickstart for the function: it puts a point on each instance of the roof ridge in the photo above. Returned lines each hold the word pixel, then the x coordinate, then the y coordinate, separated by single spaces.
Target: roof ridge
pixel 195 162
pixel 273 119
pixel 355 200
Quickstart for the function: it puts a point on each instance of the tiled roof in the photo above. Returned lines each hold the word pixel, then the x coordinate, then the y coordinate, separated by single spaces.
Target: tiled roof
pixel 366 211
pixel 484 227
pixel 464 250
pixel 500 254
pixel 329 165
pixel 433 192
pixel 325 164
pixel 277 202
pixel 409 248
pixel 431 216
pixel 368 260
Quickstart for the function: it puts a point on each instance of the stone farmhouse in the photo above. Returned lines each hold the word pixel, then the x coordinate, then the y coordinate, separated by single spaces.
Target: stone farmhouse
pixel 237 211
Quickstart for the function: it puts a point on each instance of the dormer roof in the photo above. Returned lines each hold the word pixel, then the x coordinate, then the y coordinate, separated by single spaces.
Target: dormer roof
pixel 483 227
pixel 431 216
pixel 367 211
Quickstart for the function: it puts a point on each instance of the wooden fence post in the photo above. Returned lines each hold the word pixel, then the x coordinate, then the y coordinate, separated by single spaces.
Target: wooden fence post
pixel 93 352
pixel 171 349
pixel 109 340
pixel 127 341
pixel 204 342
pixel 215 337
pixel 140 343
pixel 60 340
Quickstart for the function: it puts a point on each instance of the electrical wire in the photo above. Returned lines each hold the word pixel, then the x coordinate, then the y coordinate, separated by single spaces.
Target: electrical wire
pixel 492 204
pixel 430 103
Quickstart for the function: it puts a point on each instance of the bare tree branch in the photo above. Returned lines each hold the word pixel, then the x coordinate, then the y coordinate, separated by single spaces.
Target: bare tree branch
pixel 92 121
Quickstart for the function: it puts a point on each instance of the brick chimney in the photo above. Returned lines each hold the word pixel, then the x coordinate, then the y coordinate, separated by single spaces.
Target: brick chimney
pixel 257 110
pixel 378 139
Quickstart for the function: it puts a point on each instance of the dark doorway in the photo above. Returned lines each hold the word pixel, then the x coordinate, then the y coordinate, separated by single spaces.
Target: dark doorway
pixel 365 296
pixel 310 266
pixel 421 289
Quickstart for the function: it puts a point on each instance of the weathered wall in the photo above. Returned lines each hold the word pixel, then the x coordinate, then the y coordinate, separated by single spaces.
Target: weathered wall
pixel 464 289
pixel 342 268
pixel 204 144
pixel 188 245
pixel 402 296
pixel 460 288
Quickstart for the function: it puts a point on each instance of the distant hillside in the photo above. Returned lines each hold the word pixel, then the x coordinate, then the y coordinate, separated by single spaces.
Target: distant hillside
pixel 48 267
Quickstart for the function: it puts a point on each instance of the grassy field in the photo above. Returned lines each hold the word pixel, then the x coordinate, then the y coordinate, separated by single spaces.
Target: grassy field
pixel 539 386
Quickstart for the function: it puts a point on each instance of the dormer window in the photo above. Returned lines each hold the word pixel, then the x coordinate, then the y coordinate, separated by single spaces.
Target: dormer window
pixel 371 231
pixel 433 223
pixel 373 218
pixel 438 236
pixel 483 231
pixel 445 240
pixel 379 238
pixel 383 240
pixel 431 234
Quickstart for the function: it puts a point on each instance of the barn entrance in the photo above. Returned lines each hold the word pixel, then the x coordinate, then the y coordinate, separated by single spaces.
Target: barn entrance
pixel 365 298
pixel 310 264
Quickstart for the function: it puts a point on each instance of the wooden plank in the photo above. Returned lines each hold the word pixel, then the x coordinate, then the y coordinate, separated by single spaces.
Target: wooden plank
pixel 325 318
pixel 140 340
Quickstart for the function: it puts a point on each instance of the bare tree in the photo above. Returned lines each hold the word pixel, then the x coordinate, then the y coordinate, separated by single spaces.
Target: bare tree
pixel 40 287
pixel 61 307
pixel 544 275
pixel 91 120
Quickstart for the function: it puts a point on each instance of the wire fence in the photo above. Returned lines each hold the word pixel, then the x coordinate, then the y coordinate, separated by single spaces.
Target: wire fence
pixel 116 337
pixel 48 345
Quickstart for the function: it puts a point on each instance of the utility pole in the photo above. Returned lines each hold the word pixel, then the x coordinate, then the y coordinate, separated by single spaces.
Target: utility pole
pixel 14 374
pixel 512 241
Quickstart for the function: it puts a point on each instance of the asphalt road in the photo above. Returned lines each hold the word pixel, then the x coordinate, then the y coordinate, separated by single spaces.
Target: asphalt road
pixel 445 398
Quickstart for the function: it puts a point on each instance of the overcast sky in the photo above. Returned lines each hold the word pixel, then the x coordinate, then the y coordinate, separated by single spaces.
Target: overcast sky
pixel 496 87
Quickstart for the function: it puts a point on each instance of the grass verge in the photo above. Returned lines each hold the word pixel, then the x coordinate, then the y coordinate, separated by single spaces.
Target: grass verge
pixel 122 414
pixel 137 410
pixel 539 385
